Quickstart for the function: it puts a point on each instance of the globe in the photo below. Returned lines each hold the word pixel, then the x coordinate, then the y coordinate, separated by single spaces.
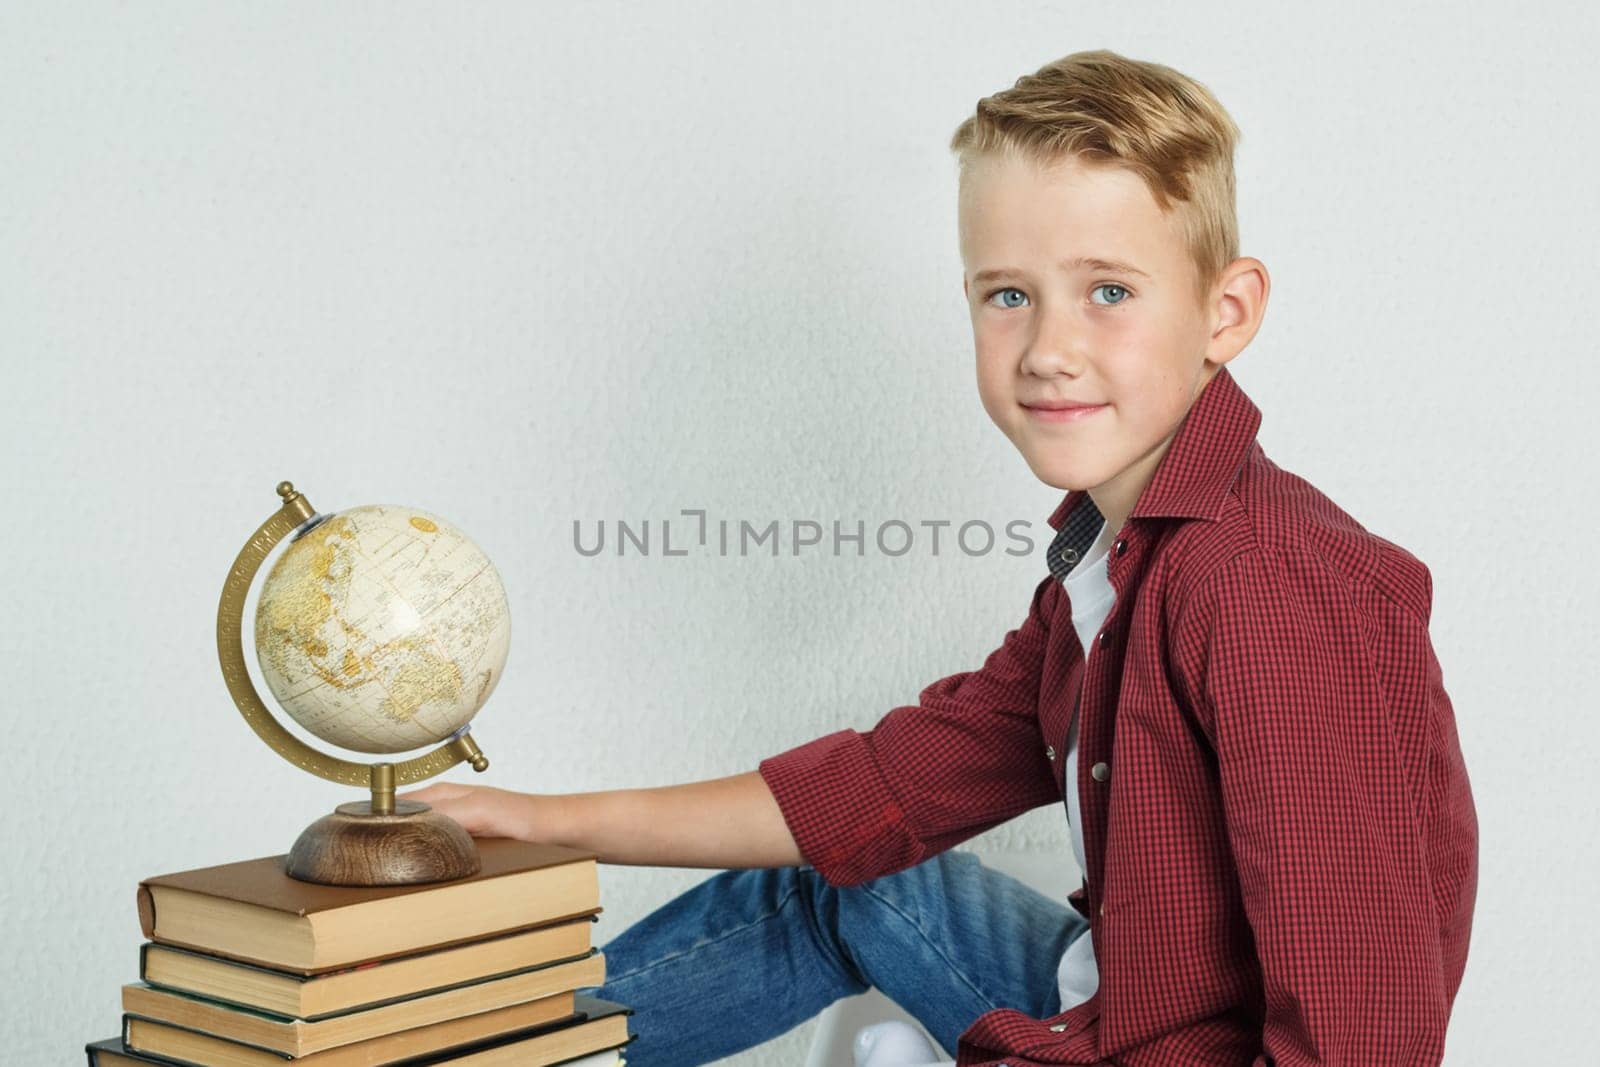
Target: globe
pixel 382 629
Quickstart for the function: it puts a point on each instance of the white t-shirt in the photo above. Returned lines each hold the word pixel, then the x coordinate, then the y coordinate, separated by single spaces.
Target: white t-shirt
pixel 1092 597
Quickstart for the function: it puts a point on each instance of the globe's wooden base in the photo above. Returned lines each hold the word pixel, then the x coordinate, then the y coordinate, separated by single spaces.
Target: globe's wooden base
pixel 353 846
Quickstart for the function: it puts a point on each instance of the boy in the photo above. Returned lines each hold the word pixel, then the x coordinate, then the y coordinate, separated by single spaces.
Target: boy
pixel 1273 816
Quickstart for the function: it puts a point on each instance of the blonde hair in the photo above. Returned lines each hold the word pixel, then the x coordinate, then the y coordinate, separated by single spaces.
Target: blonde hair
pixel 1102 107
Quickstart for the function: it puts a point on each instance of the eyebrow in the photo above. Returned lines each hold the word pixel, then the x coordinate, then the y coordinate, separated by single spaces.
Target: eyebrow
pixel 1091 262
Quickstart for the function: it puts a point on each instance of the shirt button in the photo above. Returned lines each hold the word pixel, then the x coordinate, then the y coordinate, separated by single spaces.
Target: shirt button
pixel 1100 771
pixel 1105 636
pixel 1102 909
pixel 1058 1027
pixel 1069 555
pixel 1050 751
pixel 1122 546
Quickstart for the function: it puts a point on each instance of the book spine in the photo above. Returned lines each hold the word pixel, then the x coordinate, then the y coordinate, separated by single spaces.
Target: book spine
pixel 147 912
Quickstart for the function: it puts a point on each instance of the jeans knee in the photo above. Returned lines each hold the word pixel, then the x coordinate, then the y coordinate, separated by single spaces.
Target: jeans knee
pixel 913 890
pixel 834 917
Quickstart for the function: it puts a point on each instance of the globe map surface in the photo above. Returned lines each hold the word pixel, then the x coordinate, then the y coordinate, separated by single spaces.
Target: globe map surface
pixel 382 629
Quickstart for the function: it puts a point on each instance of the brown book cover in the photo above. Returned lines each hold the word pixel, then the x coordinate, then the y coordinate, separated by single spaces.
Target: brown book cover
pixel 300 1037
pixel 362 985
pixel 111 1052
pixel 252 910
pixel 592 1024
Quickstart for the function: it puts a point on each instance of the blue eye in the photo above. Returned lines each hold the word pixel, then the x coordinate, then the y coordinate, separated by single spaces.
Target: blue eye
pixel 1107 285
pixel 997 292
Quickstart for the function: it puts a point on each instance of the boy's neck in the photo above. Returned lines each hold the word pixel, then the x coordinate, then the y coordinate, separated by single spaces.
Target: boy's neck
pixel 1116 503
pixel 1114 516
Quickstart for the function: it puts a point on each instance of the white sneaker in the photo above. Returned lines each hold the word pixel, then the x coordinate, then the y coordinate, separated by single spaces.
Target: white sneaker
pixel 894 1044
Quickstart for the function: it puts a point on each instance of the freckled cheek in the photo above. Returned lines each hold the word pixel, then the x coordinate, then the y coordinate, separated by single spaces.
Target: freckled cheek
pixel 994 367
pixel 1117 334
pixel 992 396
pixel 1123 350
pixel 995 390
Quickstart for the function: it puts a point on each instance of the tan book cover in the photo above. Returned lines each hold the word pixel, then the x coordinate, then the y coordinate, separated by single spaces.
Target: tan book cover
pixel 252 910
pixel 590 1026
pixel 606 1028
pixel 300 1037
pixel 111 1052
pixel 362 985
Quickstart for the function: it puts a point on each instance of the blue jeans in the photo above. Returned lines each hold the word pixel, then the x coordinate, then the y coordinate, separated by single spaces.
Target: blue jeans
pixel 747 955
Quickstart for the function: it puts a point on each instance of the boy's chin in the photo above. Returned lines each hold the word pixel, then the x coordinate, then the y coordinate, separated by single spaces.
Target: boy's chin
pixel 1058 476
pixel 1053 469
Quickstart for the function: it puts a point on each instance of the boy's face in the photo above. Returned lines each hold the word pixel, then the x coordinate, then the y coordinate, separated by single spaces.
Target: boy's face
pixel 1053 330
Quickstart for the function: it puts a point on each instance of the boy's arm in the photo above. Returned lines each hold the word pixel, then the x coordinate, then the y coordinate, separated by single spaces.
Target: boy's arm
pixel 966 757
pixel 729 822
pixel 1325 717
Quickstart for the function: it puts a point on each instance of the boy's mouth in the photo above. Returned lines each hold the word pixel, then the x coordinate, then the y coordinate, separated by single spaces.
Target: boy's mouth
pixel 1062 411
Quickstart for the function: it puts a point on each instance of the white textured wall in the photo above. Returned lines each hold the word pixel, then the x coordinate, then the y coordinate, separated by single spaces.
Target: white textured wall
pixel 521 264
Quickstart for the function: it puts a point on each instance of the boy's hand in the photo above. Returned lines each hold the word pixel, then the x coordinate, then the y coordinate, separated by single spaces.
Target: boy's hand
pixel 483 811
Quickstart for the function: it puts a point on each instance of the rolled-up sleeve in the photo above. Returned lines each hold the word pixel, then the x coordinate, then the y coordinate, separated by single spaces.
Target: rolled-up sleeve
pixel 966 757
pixel 1313 691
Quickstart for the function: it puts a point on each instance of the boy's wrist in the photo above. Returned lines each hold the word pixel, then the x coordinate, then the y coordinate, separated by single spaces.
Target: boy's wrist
pixel 572 820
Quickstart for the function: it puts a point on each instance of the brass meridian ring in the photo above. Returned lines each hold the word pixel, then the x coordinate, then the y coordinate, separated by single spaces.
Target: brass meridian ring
pixel 297 510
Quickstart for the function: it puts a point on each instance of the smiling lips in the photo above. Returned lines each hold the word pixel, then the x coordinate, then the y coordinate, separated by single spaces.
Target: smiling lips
pixel 1062 410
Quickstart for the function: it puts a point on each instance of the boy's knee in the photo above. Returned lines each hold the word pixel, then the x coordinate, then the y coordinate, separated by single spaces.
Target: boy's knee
pixel 911 891
pixel 933 877
pixel 916 893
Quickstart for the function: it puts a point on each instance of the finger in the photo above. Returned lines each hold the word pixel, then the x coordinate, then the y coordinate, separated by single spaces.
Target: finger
pixel 439 791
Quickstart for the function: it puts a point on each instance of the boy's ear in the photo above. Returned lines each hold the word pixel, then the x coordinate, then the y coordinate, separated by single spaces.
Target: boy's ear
pixel 1240 305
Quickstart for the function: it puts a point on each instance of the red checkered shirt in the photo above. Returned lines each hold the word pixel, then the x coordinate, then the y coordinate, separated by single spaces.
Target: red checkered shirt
pixel 1280 836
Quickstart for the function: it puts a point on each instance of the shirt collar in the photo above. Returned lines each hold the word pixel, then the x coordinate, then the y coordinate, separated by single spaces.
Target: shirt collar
pixel 1194 475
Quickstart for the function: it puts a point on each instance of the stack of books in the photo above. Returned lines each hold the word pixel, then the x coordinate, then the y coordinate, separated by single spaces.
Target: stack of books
pixel 244 966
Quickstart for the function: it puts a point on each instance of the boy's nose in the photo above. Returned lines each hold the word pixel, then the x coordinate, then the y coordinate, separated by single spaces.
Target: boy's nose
pixel 1052 352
